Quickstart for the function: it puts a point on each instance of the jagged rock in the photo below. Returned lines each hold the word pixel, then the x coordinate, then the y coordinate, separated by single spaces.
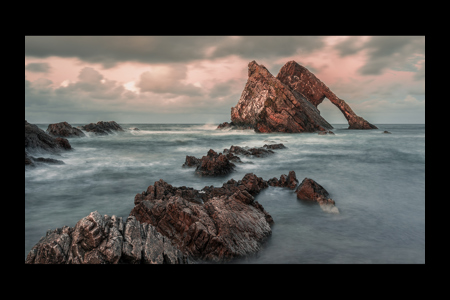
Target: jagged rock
pixel 301 80
pixel 191 161
pixel 310 190
pixel 326 132
pixel 105 240
pixel 213 164
pixel 287 102
pixel 102 128
pixel 64 129
pixel 225 125
pixel 289 181
pixel 215 224
pixel 38 139
pixel 258 152
pixel 268 105
pixel 275 146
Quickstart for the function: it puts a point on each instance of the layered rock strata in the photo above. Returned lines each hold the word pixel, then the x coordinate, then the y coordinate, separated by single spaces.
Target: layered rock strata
pixel 213 224
pixel 212 164
pixel 287 102
pixel 268 105
pixel 301 80
pixel 37 140
pixel 310 190
pixel 97 239
pixel 64 129
pixel 102 128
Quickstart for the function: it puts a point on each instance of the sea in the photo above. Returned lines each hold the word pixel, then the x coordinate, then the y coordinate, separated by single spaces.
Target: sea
pixel 377 181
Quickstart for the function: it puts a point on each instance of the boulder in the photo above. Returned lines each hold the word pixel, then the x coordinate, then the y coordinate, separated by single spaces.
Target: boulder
pixel 212 224
pixel 309 190
pixel 289 181
pixel 105 240
pixel 326 132
pixel 38 139
pixel 102 128
pixel 64 129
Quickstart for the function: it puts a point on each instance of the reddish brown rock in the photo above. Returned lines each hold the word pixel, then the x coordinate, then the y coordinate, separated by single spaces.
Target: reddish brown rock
pixel 215 224
pixel 268 105
pixel 64 129
pixel 97 239
pixel 312 191
pixel 301 80
pixel 214 164
pixel 289 181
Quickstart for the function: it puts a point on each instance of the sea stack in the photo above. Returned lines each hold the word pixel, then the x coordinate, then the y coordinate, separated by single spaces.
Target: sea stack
pixel 287 102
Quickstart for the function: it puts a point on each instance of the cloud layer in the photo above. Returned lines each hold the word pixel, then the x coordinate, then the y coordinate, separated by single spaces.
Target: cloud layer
pixel 198 79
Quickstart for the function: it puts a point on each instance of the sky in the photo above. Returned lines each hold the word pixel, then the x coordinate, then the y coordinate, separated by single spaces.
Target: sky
pixel 197 79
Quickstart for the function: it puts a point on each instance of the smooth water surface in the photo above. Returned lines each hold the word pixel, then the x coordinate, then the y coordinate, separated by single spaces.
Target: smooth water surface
pixel 377 181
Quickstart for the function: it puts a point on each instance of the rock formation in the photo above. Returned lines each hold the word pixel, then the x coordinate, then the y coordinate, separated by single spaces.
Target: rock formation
pixel 287 102
pixel 212 164
pixel 102 128
pixel 36 138
pixel 301 80
pixel 258 152
pixel 105 240
pixel 64 129
pixel 310 190
pixel 289 181
pixel 326 132
pixel 214 224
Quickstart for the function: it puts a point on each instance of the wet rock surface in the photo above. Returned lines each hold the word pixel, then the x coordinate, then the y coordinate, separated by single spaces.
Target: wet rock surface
pixel 102 128
pixel 212 164
pixel 287 102
pixel 213 224
pixel 38 139
pixel 64 129
pixel 310 190
pixel 97 239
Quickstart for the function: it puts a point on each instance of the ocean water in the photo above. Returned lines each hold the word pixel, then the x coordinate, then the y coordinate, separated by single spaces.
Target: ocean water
pixel 377 181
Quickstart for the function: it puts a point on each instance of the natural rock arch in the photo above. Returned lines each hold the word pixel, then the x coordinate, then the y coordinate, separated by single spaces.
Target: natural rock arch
pixel 300 79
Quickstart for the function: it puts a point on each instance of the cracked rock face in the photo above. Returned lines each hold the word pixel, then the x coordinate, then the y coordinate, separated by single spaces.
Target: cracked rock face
pixel 105 240
pixel 213 224
pixel 301 80
pixel 287 102
pixel 268 105
pixel 36 138
pixel 102 128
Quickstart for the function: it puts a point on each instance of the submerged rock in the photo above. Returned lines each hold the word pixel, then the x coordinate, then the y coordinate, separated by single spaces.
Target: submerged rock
pixel 102 128
pixel 289 181
pixel 213 224
pixel 326 132
pixel 105 240
pixel 310 190
pixel 64 129
pixel 386 131
pixel 258 152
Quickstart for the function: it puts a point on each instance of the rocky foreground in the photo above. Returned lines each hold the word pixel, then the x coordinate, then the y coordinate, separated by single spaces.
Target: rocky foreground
pixel 287 102
pixel 169 225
